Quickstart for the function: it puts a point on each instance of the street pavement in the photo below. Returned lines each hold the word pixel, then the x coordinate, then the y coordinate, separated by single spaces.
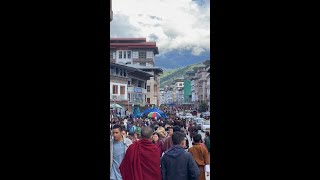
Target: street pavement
pixel 190 145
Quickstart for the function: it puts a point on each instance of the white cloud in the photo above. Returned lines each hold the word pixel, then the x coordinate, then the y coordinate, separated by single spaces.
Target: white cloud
pixel 197 51
pixel 174 25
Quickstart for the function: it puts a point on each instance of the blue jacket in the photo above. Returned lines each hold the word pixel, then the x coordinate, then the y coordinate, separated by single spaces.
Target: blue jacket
pixel 178 164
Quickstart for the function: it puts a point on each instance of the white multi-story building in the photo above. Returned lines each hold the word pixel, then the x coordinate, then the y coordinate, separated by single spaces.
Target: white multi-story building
pixel 133 51
pixel 162 96
pixel 200 84
pixel 194 96
pixel 153 84
pixel 178 88
pixel 167 95
pixel 128 85
pixel 137 53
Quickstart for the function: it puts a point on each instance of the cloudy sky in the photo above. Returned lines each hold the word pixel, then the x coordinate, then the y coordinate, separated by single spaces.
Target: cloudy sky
pixel 181 28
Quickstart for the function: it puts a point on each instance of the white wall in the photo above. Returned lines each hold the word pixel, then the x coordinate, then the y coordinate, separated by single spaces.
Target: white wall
pixel 123 60
pixel 119 84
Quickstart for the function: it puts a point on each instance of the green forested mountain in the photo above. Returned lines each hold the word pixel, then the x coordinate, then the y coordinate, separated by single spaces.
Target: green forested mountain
pixel 167 77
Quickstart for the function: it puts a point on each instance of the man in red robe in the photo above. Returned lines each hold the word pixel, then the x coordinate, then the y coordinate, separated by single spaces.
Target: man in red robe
pixel 142 161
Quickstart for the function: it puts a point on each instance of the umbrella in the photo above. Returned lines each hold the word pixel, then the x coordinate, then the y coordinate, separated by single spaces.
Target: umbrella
pixel 115 106
pixel 154 110
pixel 153 115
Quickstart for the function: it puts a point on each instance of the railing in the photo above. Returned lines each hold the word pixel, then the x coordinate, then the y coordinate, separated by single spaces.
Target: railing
pixel 112 60
pixel 114 97
pixel 143 60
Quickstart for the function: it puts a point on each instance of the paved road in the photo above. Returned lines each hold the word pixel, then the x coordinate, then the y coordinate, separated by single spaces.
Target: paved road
pixel 190 145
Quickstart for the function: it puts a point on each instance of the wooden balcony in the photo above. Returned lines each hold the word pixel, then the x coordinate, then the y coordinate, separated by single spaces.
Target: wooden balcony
pixel 115 97
pixel 143 60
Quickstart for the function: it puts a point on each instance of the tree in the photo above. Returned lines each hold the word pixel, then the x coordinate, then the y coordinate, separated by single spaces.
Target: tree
pixel 203 107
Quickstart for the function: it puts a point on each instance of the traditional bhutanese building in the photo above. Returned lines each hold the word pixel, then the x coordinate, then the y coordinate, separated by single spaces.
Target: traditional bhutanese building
pixel 138 53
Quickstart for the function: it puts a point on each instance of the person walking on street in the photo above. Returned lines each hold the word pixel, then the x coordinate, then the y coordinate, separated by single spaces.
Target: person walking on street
pixel 201 156
pixel 142 161
pixel 133 137
pixel 118 148
pixel 207 141
pixel 167 143
pixel 157 141
pixel 190 129
pixel 138 130
pixel 176 163
pixel 124 133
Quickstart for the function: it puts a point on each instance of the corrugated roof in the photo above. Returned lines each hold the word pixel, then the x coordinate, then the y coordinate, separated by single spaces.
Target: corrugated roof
pixel 144 67
pixel 132 68
pixel 127 39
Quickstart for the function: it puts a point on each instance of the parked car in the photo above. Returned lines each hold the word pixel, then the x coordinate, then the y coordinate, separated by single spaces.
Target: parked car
pixel 198 121
pixel 205 126
pixel 189 116
pixel 205 114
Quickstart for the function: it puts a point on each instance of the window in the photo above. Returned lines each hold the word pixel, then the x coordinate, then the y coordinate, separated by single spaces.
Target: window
pixel 115 89
pixel 143 64
pixel 120 72
pixel 180 84
pixel 129 54
pixel 125 73
pixel 145 97
pixel 111 70
pixel 112 54
pixel 142 54
pixel 148 100
pixel 129 82
pixel 129 97
pixel 148 88
pixel 149 54
pixel 117 71
pixel 125 54
pixel 135 54
pixel 122 90
pixel 120 54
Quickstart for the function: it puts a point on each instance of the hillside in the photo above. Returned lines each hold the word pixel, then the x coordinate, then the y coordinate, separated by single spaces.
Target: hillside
pixel 167 77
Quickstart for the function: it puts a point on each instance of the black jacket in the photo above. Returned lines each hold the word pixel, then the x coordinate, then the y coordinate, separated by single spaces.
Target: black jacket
pixel 177 164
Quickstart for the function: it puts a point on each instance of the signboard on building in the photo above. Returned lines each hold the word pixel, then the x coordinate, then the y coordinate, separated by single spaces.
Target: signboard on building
pixel 137 90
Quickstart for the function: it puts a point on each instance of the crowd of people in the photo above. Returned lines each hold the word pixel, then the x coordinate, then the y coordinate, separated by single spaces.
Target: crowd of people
pixel 157 148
